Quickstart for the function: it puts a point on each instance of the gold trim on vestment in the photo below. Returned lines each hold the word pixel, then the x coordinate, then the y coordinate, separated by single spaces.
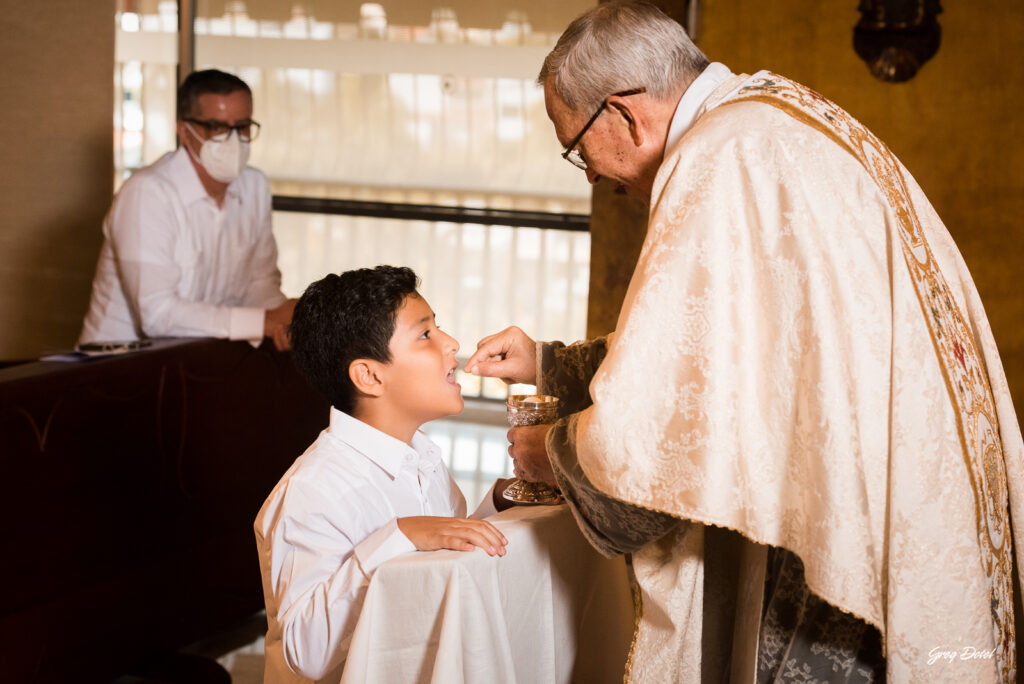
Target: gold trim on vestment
pixel 638 616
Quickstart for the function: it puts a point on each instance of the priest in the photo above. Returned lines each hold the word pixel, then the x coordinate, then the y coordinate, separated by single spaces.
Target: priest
pixel 800 429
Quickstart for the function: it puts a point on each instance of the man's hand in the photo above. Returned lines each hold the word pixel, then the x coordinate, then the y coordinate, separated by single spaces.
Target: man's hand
pixel 430 533
pixel 498 491
pixel 530 454
pixel 276 322
pixel 510 355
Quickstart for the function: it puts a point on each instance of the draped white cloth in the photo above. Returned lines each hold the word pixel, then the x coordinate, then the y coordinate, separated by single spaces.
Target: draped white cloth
pixel 803 357
pixel 551 610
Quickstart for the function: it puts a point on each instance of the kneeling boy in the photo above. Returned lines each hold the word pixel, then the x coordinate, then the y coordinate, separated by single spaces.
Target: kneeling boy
pixel 371 486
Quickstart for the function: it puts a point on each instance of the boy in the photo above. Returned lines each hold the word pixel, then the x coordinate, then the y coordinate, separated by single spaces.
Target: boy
pixel 371 486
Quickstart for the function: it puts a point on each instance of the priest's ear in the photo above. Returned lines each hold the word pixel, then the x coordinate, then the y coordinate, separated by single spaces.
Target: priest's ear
pixel 634 115
pixel 367 377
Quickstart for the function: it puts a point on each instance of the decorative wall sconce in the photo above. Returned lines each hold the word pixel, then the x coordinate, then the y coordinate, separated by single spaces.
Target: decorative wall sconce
pixel 896 37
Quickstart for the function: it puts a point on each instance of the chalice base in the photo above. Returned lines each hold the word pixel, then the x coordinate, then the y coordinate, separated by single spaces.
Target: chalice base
pixel 524 492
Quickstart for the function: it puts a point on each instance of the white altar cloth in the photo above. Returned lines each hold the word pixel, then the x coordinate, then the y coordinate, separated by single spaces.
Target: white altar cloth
pixel 550 610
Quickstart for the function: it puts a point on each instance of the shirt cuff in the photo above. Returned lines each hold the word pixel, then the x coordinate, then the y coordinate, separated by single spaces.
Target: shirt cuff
pixel 384 544
pixel 246 323
pixel 486 507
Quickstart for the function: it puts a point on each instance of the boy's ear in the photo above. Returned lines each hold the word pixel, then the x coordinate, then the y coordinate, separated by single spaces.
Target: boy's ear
pixel 366 375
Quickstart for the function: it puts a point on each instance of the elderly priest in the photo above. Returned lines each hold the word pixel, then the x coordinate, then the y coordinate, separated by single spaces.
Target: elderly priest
pixel 801 428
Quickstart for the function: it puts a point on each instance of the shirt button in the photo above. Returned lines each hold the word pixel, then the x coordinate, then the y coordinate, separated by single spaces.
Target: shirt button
pixel 408 458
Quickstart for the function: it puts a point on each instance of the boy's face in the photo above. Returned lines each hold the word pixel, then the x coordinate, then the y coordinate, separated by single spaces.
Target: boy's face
pixel 421 374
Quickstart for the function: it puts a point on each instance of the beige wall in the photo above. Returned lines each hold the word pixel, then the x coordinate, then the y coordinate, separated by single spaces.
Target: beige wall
pixel 56 166
pixel 956 125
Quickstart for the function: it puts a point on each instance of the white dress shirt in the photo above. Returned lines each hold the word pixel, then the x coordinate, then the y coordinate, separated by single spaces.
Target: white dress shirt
pixel 327 525
pixel 174 264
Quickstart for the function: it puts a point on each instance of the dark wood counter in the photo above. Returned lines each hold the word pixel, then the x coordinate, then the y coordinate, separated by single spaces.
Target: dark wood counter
pixel 130 485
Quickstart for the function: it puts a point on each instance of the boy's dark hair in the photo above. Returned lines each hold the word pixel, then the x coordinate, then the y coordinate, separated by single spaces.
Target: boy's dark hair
pixel 202 83
pixel 346 317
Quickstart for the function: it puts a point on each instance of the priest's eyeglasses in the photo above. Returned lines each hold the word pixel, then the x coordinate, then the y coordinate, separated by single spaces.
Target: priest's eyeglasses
pixel 572 154
pixel 218 131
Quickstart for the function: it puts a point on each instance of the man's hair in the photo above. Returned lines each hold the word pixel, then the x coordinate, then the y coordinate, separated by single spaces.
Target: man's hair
pixel 619 46
pixel 205 82
pixel 345 317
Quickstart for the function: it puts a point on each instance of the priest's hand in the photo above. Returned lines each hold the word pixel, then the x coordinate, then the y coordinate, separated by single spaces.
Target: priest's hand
pixel 530 455
pixel 510 355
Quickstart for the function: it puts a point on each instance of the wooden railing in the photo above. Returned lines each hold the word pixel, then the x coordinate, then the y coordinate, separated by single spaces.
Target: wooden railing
pixel 130 487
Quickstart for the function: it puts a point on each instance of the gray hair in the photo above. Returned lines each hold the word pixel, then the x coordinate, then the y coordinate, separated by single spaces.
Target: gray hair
pixel 618 46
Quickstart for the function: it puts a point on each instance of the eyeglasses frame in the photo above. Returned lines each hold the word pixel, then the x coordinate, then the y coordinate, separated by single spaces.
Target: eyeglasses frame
pixel 208 126
pixel 582 165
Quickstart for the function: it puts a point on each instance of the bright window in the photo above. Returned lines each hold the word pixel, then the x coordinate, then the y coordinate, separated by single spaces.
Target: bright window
pixel 414 108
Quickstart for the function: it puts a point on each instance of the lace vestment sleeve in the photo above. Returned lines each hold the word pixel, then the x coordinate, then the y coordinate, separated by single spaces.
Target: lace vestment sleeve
pixel 611 526
pixel 565 371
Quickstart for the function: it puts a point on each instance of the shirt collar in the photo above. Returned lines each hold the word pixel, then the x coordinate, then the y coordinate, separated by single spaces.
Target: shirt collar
pixel 691 104
pixel 382 449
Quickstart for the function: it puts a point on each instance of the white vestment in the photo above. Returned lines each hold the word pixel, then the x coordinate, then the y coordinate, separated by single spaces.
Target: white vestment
pixel 802 357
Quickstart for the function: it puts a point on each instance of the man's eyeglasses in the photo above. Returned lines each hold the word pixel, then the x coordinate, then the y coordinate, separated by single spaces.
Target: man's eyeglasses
pixel 218 131
pixel 573 155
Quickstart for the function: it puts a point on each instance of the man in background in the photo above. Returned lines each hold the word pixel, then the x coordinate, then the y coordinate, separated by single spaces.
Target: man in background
pixel 188 248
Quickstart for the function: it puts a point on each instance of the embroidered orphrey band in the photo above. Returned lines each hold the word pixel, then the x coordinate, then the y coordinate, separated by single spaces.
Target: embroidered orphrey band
pixel 965 375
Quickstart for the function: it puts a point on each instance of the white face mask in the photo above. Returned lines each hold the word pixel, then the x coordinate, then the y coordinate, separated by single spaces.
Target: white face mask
pixel 223 160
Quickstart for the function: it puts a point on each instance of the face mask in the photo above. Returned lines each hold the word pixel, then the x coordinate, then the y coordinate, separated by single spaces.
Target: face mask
pixel 223 160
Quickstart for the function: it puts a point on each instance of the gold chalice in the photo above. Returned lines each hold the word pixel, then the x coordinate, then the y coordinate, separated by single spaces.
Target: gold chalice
pixel 531 409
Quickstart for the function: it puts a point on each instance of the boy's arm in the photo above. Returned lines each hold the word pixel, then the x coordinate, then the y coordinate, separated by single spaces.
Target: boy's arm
pixel 319 579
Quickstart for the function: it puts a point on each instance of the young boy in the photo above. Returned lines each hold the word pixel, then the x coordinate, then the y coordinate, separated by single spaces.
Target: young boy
pixel 371 486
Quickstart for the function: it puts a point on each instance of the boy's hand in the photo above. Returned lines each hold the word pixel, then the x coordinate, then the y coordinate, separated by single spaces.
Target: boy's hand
pixel 430 533
pixel 510 355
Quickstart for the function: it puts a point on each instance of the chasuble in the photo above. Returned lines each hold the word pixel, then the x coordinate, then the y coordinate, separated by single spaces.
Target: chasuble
pixel 802 391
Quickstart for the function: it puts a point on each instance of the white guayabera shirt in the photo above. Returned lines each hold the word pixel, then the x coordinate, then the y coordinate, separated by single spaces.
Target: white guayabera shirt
pixel 174 264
